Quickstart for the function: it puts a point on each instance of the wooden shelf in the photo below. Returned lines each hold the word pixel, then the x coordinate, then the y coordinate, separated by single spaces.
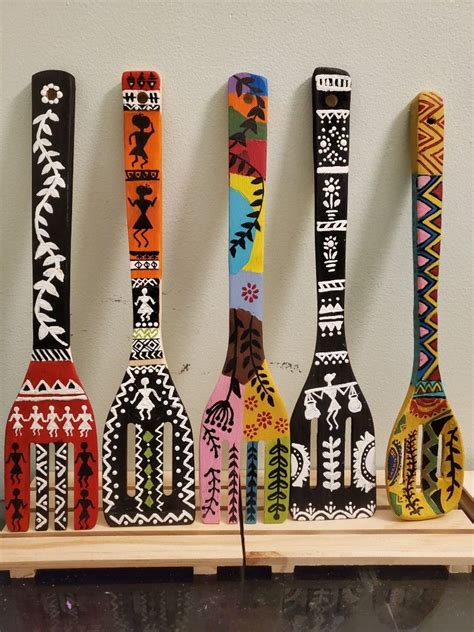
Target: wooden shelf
pixel 380 540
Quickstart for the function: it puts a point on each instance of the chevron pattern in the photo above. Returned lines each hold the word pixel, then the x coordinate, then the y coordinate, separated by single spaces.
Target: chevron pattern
pixel 428 233
pixel 42 500
pixel 430 134
pixel 60 496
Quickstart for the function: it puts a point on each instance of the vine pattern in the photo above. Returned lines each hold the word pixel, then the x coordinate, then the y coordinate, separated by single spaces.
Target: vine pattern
pixel 252 346
pixel 249 124
pixel 252 482
pixel 277 476
pixel 214 485
pixel 233 492
pixel 409 493
pixel 46 247
pixel 453 466
pixel 221 413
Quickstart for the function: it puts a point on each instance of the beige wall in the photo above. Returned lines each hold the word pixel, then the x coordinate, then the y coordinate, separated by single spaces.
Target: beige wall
pixel 392 49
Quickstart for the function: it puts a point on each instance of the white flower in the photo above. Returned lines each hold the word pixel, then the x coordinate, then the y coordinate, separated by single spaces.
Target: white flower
pixel 51 93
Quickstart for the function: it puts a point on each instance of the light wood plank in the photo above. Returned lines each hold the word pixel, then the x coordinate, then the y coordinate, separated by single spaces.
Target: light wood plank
pixel 283 553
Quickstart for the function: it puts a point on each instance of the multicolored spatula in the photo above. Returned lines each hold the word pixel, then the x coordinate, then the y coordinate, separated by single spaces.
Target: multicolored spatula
pixel 426 413
pixel 331 395
pixel 51 407
pixel 246 404
pixel 147 398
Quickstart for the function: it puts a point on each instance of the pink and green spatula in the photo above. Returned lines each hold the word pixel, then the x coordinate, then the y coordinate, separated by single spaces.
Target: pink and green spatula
pixel 246 407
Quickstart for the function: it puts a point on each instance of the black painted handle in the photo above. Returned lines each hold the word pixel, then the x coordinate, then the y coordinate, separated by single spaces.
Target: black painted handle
pixel 331 114
pixel 53 99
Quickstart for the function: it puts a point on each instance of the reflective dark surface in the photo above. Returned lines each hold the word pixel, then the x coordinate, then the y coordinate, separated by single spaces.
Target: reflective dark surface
pixel 323 599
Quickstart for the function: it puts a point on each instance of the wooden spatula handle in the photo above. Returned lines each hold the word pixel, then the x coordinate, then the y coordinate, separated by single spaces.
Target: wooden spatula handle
pixel 427 165
pixel 331 116
pixel 53 99
pixel 142 154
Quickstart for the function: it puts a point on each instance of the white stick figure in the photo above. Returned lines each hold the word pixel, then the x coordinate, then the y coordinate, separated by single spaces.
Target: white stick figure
pixel 68 418
pixel 145 302
pixel 84 418
pixel 52 418
pixel 36 417
pixel 17 418
pixel 145 404
pixel 334 407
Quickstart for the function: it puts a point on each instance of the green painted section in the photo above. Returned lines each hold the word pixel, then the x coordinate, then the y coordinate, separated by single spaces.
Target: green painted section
pixel 235 119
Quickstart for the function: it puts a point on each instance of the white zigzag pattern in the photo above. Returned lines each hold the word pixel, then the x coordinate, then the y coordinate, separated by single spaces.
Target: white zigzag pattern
pixel 188 451
pixel 107 443
pixel 60 465
pixel 41 517
pixel 159 459
pixel 140 477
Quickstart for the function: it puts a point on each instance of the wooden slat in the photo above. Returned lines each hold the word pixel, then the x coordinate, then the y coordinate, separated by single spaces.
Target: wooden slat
pixel 201 551
pixel 283 553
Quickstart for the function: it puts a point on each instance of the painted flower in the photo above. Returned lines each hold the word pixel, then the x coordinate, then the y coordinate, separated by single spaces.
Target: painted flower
pixel 50 93
pixel 264 419
pixel 250 292
pixel 330 243
pixel 281 425
pixel 251 402
pixel 250 431
pixel 331 186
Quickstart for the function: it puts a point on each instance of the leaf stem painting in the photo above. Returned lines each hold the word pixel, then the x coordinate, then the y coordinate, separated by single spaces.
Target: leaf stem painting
pixel 246 407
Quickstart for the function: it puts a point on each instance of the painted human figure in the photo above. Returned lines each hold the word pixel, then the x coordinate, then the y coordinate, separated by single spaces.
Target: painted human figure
pixel 145 303
pixel 17 504
pixel 52 418
pixel 67 420
pixel 85 504
pixel 334 407
pixel 145 405
pixel 143 224
pixel 35 418
pixel 85 470
pixel 85 418
pixel 17 418
pixel 15 458
pixel 141 138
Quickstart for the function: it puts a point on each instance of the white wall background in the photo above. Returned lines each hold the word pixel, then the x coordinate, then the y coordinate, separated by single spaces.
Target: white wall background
pixel 393 50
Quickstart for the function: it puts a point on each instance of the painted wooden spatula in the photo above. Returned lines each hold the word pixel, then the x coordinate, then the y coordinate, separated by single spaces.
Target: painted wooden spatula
pixel 331 395
pixel 246 404
pixel 51 407
pixel 426 411
pixel 147 398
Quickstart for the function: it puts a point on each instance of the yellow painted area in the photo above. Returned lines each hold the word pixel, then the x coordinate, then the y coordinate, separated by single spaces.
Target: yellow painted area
pixel 403 492
pixel 262 421
pixel 244 185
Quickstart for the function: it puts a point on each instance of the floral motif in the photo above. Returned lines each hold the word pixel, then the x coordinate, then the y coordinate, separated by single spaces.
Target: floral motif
pixel 330 253
pixel 250 431
pixel 50 93
pixel 281 425
pixel 264 419
pixel 331 187
pixel 332 197
pixel 250 292
pixel 52 269
pixel 251 402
